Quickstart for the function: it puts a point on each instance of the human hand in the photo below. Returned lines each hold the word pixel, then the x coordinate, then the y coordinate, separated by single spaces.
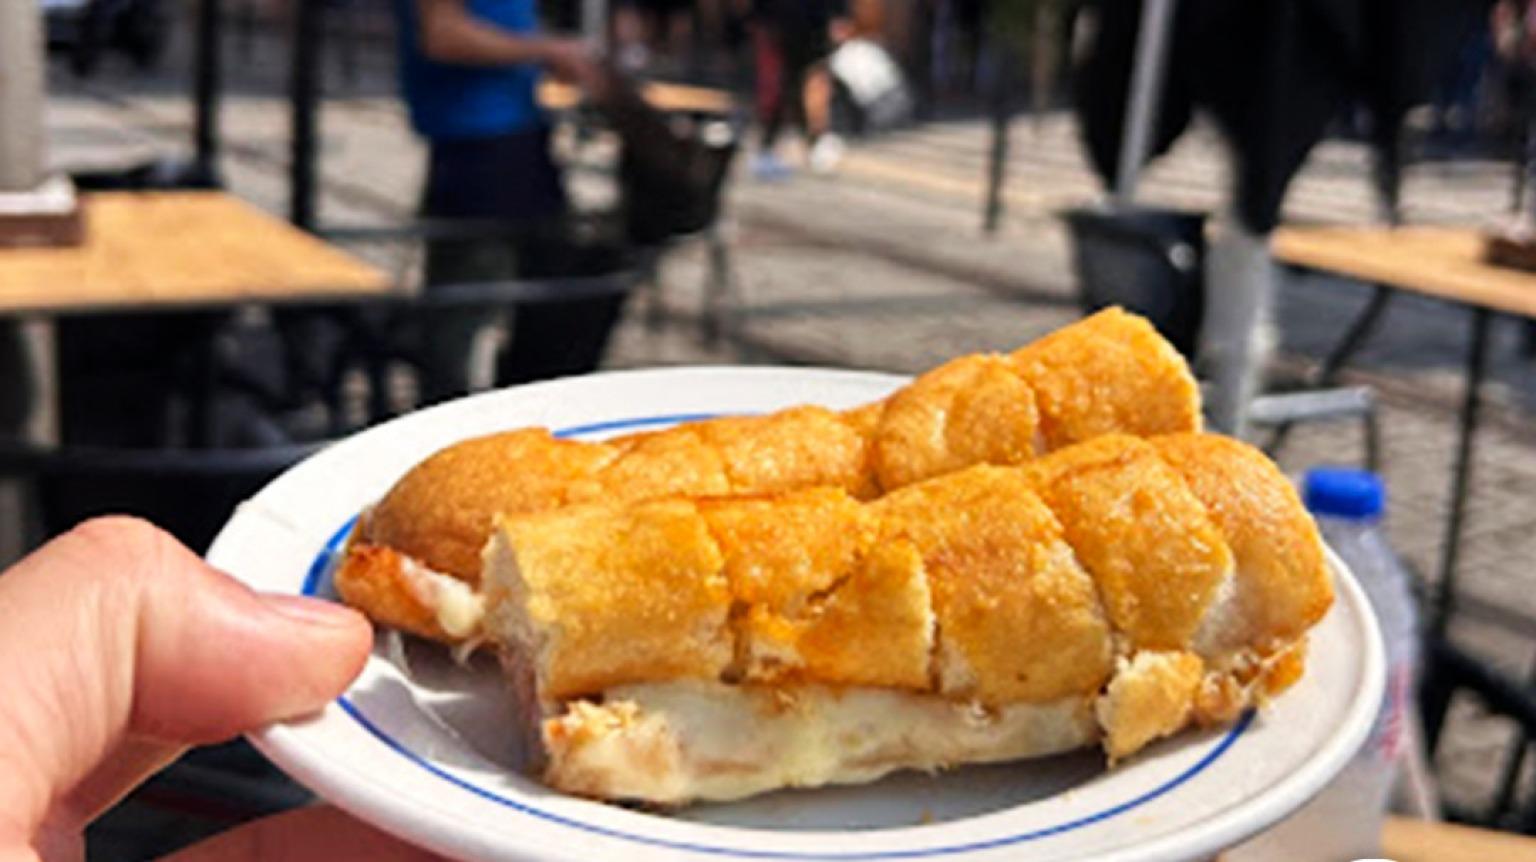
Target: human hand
pixel 572 61
pixel 118 649
pixel 840 30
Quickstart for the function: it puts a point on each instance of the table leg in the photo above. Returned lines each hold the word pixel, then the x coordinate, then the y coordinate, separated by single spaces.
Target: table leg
pixel 720 297
pixel 1354 338
pixel 304 106
pixel 31 416
pixel 208 77
pixel 1477 365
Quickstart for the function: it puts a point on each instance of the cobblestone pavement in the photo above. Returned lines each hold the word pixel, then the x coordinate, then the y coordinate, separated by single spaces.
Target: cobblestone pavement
pixel 884 266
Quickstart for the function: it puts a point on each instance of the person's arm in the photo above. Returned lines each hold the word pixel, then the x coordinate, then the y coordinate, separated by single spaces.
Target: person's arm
pixel 450 33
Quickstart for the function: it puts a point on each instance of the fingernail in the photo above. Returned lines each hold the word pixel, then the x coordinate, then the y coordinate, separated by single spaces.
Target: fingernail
pixel 311 612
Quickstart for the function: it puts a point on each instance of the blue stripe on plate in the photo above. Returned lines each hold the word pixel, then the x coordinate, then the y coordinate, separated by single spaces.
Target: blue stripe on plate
pixel 315 577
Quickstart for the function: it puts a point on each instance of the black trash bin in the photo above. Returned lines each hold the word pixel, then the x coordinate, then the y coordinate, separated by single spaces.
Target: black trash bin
pixel 1150 261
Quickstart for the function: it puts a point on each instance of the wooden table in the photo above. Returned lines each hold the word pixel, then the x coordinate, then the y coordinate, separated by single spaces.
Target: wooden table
pixel 154 251
pixel 667 98
pixel 179 251
pixel 1444 263
pixel 1406 840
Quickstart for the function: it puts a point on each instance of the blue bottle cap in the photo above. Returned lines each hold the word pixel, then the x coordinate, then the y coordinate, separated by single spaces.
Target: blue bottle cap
pixel 1343 492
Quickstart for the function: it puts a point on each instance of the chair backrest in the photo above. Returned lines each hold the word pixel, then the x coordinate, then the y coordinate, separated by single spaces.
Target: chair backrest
pixel 1449 673
pixel 190 493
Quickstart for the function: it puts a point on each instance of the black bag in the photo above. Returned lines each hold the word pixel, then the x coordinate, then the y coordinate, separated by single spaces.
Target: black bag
pixel 671 169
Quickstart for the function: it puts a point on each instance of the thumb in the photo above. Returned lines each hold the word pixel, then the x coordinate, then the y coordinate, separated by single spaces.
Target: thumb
pixel 121 640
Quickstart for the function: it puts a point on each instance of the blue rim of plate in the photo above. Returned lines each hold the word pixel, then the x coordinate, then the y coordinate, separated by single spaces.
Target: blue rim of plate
pixel 315 577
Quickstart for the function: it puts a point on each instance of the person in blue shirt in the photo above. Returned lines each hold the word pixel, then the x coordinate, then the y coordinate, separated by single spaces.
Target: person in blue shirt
pixel 468 74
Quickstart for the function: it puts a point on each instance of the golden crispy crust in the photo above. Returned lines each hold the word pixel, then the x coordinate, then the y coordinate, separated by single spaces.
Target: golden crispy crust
pixel 876 628
pixel 440 512
pixel 797 448
pixel 606 595
pixel 1111 372
pixel 979 409
pixel 375 578
pixel 1151 696
pixel 1002 577
pixel 972 410
pixel 1155 554
pixel 1282 586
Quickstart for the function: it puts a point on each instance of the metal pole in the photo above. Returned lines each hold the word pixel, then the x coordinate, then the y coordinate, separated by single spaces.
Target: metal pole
pixel 304 99
pixel 594 23
pixel 1145 93
pixel 1461 479
pixel 208 75
pixel 21 96
pixel 997 163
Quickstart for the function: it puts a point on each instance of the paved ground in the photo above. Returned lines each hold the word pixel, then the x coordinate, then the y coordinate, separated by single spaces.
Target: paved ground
pixel 884 266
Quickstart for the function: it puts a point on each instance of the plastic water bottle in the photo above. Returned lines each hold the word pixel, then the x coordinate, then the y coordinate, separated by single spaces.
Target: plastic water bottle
pixel 1344 821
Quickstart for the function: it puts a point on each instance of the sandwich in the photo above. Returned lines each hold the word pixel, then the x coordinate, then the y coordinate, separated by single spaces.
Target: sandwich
pixel 1110 593
pixel 413 560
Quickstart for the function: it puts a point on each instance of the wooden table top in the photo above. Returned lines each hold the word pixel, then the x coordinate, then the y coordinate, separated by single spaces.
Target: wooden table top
pixel 155 250
pixel 1443 262
pixel 1406 840
pixel 676 98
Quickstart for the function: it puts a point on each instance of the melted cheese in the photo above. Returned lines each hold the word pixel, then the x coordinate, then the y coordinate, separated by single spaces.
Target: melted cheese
pixel 676 742
pixel 458 607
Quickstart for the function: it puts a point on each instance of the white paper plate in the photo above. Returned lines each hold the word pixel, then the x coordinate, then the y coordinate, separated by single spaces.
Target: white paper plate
pixel 422 748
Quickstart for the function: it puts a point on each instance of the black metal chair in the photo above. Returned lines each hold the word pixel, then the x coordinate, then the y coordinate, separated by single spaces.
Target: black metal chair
pixel 375 343
pixel 1449 673
pixel 188 492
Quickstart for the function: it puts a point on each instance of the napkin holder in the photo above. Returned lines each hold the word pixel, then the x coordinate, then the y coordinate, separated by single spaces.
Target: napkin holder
pixel 47 216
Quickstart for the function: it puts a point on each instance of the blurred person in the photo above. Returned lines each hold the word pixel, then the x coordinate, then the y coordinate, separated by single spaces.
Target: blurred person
pixel 1512 26
pixel 469 72
pixel 120 649
pixel 792 39
pixel 646 28
pixel 1459 93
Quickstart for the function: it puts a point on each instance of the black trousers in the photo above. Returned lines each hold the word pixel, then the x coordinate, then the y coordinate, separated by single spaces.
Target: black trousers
pixel 507 178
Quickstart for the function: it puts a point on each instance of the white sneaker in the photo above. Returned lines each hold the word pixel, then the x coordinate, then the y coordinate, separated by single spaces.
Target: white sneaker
pixel 827 153
pixel 633 59
pixel 768 167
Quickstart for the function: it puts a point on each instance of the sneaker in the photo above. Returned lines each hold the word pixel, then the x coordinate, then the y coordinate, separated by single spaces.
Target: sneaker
pixel 768 167
pixel 633 59
pixel 827 154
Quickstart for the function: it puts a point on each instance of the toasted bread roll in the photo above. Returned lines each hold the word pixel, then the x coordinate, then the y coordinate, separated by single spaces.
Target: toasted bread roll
pixel 1001 574
pixel 1151 696
pixel 817 597
pixel 1139 530
pixel 585 622
pixel 972 410
pixel 1103 580
pixel 1109 372
pixel 439 512
pixel 1280 586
